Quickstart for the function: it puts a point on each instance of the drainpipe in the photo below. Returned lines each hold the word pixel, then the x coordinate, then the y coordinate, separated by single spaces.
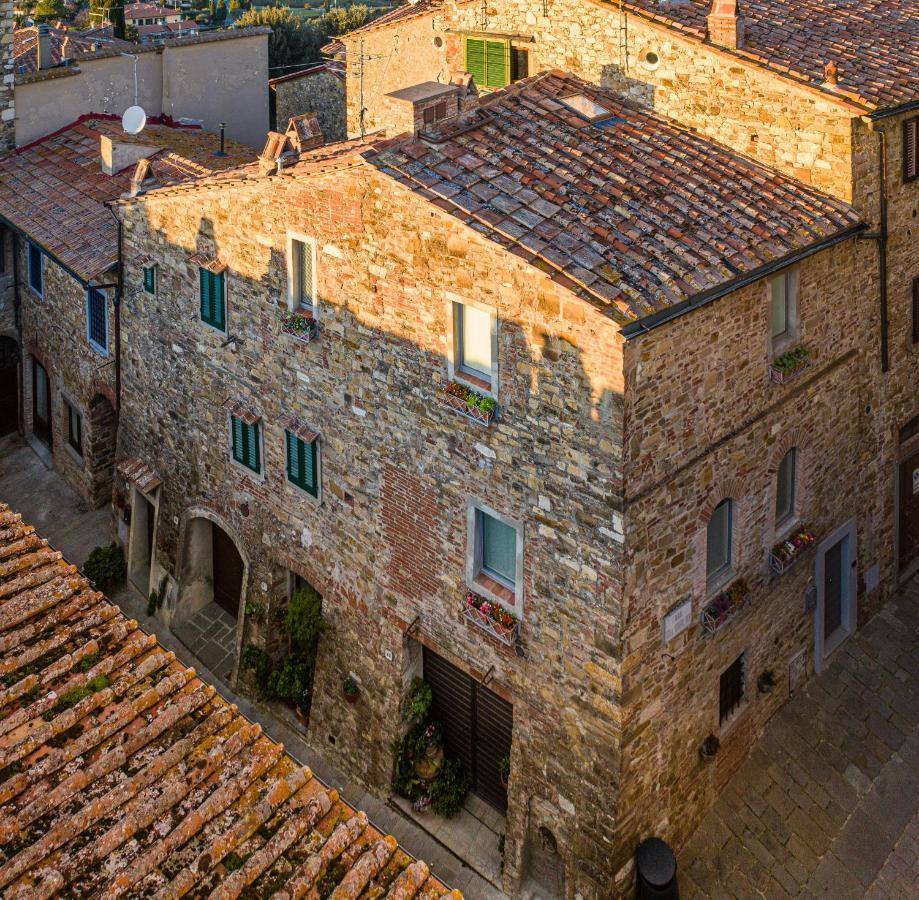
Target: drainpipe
pixel 17 319
pixel 881 237
pixel 119 290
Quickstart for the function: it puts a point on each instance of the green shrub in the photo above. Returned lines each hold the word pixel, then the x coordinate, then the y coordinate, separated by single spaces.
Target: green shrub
pixel 155 600
pixel 105 567
pixel 303 623
pixel 449 789
pixel 417 701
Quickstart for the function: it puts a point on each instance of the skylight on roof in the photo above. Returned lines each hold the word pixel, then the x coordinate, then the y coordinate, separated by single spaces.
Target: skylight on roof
pixel 585 107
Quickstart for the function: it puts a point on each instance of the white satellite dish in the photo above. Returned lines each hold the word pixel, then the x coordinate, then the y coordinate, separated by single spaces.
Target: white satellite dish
pixel 133 120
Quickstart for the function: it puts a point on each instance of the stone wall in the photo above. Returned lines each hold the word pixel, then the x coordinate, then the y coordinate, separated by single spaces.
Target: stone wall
pixel 399 469
pixel 704 423
pixel 7 100
pixel 54 333
pixel 382 60
pixel 321 92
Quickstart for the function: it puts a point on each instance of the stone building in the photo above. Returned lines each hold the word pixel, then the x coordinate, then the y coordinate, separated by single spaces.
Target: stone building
pixel 672 338
pixel 213 78
pixel 320 89
pixel 61 248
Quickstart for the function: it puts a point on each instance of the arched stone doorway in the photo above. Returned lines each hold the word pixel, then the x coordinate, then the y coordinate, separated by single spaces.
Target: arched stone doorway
pixel 100 449
pixel 9 385
pixel 211 595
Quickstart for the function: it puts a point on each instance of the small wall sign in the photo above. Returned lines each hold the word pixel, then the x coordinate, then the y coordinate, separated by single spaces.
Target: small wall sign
pixel 677 620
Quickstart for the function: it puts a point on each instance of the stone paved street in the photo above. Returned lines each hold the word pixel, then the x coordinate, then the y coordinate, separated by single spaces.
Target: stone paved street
pixel 211 635
pixel 826 806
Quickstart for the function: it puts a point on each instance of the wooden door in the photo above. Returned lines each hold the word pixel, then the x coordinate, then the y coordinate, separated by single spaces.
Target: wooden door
pixel 9 386
pixel 228 571
pixel 41 403
pixel 477 726
pixel 909 512
pixel 833 588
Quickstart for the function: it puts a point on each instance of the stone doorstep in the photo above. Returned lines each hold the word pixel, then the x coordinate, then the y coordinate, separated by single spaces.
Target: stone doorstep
pixel 440 831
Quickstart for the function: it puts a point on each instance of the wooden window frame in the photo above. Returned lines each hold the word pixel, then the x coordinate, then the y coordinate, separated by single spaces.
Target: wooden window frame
pixel 91 293
pixel 719 575
pixel 74 441
pixel 32 247
pixel 911 161
pixel 293 300
pixel 785 518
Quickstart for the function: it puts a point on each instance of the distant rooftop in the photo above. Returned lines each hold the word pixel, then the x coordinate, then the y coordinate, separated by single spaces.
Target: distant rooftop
pixel 54 190
pixel 123 773
pixel 65 45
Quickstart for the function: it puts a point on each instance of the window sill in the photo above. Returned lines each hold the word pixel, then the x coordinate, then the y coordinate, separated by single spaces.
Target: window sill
pixel 73 454
pixel 243 469
pixel 730 723
pixel 482 385
pixel 102 351
pixel 494 590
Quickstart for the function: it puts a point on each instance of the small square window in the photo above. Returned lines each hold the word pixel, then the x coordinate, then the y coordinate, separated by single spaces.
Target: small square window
pixel 732 688
pixel 246 448
pixel 213 299
pixel 302 469
pixel 472 351
pixel 36 260
pixel 718 541
pixel 301 273
pixel 97 319
pixel 783 292
pixel 785 487
pixel 74 428
pixel 150 279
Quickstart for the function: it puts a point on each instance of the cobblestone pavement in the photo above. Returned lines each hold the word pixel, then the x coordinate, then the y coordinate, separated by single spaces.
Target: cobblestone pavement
pixel 44 500
pixel 211 635
pixel 826 805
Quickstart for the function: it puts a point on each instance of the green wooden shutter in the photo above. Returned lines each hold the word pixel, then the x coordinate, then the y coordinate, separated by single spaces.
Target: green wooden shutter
pixel 309 467
pixel 207 308
pixel 219 301
pixel 253 456
pixel 496 63
pixel 150 280
pixel 475 60
pixel 238 453
pixel 293 458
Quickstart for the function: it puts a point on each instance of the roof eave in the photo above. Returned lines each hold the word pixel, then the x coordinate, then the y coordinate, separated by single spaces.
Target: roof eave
pixel 655 320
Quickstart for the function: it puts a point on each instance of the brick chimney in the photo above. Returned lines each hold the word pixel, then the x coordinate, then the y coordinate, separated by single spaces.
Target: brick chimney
pixel 726 25
pixel 304 132
pixel 44 47
pixel 423 107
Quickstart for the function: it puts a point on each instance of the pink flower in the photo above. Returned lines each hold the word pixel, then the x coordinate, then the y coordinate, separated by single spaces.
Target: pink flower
pixel 485 607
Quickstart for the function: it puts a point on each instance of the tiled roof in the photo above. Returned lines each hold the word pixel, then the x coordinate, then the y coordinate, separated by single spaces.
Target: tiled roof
pixel 632 210
pixel 170 28
pixel 64 44
pixel 874 43
pixel 148 11
pixel 406 11
pixel 329 66
pixel 54 190
pixel 122 773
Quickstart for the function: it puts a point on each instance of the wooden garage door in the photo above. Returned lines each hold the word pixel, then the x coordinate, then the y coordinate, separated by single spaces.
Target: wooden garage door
pixel 477 726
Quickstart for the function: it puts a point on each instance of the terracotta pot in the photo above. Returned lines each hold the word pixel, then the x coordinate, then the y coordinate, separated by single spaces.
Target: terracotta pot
pixel 430 764
pixel 302 717
pixel 351 698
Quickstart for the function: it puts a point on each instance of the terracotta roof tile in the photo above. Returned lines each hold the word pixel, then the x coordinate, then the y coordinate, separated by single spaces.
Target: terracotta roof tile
pixel 122 774
pixel 54 190
pixel 64 45
pixel 636 211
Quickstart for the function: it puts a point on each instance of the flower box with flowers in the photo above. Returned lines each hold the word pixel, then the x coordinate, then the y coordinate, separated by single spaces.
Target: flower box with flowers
pixel 785 553
pixel 469 403
pixel 492 618
pixel 302 326
pixel 790 365
pixel 724 606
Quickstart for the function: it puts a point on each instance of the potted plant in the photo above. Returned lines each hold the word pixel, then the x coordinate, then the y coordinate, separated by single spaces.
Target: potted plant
pixel 429 754
pixel 504 770
pixel 766 681
pixel 351 689
pixel 710 746
pixel 301 326
pixel 790 364
pixel 470 403
pixel 492 617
